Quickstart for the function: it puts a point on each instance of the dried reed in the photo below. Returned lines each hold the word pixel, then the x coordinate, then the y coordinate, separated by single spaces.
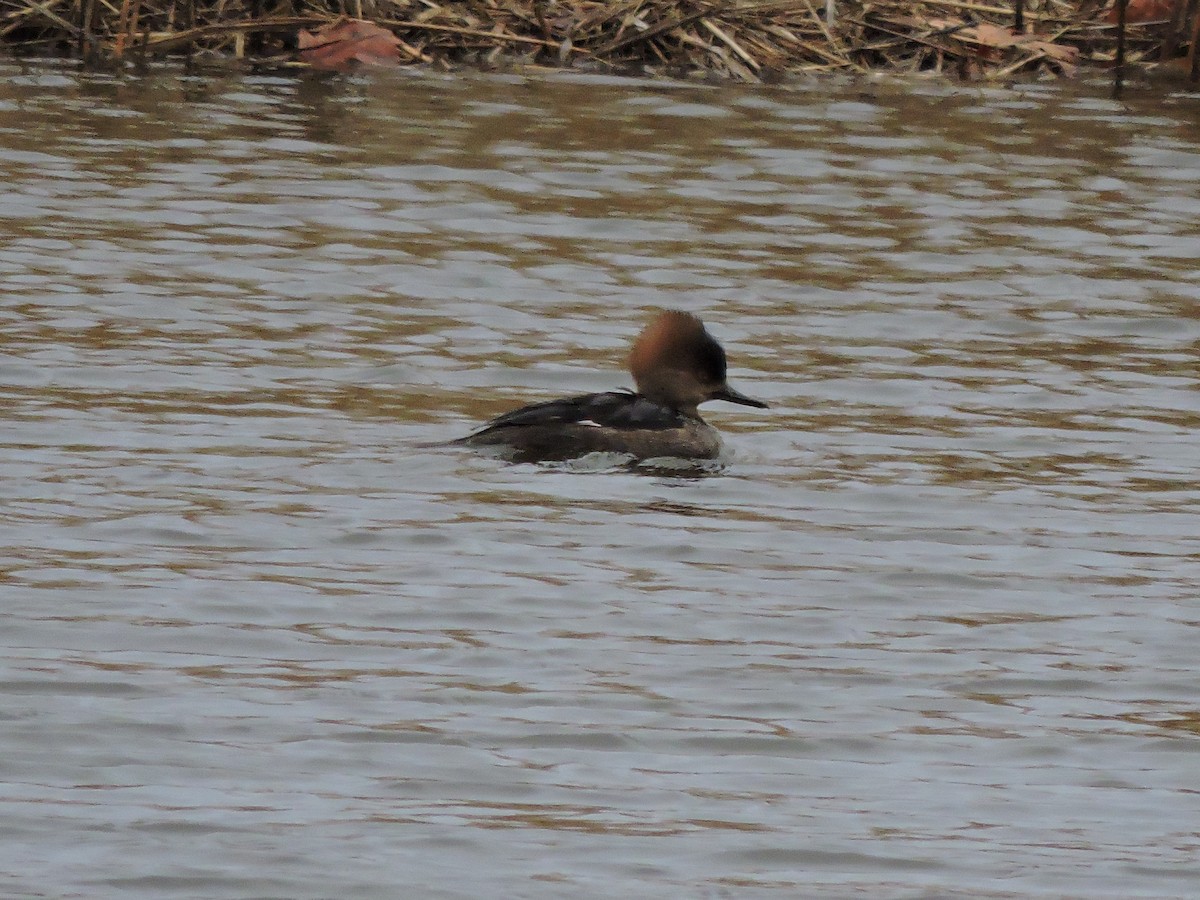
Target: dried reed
pixel 750 40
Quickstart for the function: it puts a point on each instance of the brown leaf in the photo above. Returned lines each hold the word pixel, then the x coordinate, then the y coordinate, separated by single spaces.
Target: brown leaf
pixel 937 24
pixel 991 35
pixel 1057 52
pixel 991 39
pixel 342 44
pixel 1144 11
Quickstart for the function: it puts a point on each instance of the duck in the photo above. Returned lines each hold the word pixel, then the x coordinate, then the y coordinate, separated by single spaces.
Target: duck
pixel 676 365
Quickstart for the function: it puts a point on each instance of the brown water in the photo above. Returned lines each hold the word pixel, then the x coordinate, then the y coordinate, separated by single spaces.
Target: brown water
pixel 931 632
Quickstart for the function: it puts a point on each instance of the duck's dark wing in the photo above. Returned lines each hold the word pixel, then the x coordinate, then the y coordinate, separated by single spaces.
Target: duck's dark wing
pixel 614 409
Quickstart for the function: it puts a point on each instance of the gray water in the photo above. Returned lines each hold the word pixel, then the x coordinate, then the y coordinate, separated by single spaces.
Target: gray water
pixel 929 631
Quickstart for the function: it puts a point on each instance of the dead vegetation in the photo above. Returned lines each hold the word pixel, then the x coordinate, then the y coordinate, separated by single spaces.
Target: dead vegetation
pixel 751 40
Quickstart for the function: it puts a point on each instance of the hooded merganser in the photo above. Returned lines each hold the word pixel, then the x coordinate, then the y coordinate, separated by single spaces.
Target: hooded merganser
pixel 676 365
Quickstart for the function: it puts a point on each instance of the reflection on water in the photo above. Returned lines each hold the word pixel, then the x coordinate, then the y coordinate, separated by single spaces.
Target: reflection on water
pixel 930 631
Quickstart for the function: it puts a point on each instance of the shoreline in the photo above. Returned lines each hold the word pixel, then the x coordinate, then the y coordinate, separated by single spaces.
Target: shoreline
pixel 750 42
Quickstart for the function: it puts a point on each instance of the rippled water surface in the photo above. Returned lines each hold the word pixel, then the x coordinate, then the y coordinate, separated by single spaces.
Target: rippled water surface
pixel 931 631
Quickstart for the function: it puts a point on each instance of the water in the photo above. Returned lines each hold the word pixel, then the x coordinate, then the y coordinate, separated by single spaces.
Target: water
pixel 930 632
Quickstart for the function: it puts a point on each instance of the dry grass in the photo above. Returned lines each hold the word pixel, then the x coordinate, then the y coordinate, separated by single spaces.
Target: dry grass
pixel 747 41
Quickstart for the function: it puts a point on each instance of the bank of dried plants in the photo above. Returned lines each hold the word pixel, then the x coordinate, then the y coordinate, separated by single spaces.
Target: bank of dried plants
pixel 747 41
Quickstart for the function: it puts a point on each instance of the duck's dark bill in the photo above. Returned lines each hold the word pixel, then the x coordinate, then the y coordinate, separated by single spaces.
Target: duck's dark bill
pixel 728 393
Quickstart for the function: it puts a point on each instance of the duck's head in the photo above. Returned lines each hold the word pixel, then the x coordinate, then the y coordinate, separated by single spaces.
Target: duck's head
pixel 677 363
